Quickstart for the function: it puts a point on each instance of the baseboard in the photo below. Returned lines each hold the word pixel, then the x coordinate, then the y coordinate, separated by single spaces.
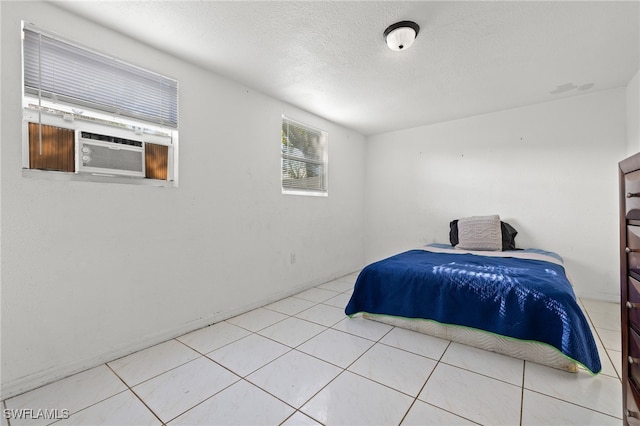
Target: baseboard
pixel 44 377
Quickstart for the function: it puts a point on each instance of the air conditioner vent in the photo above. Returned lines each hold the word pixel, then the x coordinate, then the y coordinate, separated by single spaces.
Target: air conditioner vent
pixel 109 155
pixel 112 139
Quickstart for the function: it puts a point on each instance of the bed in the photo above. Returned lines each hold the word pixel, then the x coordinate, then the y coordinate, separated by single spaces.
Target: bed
pixel 515 302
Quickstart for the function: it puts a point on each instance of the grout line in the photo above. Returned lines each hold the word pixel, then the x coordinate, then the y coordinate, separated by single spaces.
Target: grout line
pixel 574 404
pixel 135 394
pixel 425 383
pixel 482 374
pixel 606 353
pixel 302 413
pixel 253 310
pixel 85 407
pixel 220 347
pixel 524 367
pixel 612 364
pixel 200 355
pixel 301 343
pixel 597 333
pixel 344 369
pixel 201 402
pixel 4 407
pixel 289 349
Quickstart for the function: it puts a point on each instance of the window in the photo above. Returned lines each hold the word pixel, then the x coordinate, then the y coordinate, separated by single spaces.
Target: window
pixel 304 159
pixel 107 117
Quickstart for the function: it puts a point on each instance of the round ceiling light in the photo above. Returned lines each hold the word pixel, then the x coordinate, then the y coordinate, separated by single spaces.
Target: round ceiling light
pixel 400 36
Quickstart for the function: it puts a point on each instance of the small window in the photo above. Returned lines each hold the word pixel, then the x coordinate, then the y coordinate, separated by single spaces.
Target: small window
pixel 304 159
pixel 89 114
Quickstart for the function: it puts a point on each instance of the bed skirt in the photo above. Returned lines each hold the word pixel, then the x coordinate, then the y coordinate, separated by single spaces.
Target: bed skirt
pixel 539 353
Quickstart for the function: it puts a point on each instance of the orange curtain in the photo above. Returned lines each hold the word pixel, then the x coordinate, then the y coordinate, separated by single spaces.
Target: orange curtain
pixel 57 152
pixel 156 161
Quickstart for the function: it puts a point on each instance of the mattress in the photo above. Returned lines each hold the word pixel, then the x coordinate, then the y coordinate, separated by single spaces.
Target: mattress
pixel 526 350
pixel 485 299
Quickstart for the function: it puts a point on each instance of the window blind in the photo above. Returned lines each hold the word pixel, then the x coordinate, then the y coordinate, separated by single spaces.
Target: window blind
pixel 69 74
pixel 304 157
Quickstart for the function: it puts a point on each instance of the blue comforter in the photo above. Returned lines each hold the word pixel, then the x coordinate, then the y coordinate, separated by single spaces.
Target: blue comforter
pixel 518 298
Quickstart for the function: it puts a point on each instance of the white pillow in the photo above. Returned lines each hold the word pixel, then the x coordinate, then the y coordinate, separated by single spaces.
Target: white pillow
pixel 480 233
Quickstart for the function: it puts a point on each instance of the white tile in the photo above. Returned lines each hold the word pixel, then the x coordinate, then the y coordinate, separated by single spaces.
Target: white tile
pixel 606 321
pixel 490 364
pixel 372 330
pixel 72 393
pixel 337 285
pixel 295 377
pixel 412 341
pixel 401 370
pixel 603 315
pixel 423 414
pixel 178 390
pixel 290 305
pixel 601 393
pixel 538 409
pixel 299 419
pixel 600 306
pixel 122 409
pixel 336 347
pixel 5 422
pixel 322 314
pixel 241 404
pixel 607 367
pixel 150 362
pixel 339 301
pixel 246 355
pixel 610 339
pixel 350 278
pixel 354 400
pixel 257 319
pixel 213 337
pixel 616 360
pixel 316 294
pixel 472 396
pixel 292 331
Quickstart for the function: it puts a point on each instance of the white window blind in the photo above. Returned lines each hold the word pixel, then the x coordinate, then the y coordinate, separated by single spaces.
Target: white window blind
pixel 304 158
pixel 69 74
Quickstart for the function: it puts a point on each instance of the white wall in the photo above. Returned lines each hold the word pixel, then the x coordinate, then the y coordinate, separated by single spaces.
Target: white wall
pixel 92 271
pixel 550 170
pixel 633 115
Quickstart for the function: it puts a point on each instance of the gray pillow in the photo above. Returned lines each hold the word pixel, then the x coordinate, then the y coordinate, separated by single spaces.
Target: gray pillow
pixel 480 233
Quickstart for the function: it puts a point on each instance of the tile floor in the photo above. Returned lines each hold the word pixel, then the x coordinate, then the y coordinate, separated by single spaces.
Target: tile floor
pixel 300 361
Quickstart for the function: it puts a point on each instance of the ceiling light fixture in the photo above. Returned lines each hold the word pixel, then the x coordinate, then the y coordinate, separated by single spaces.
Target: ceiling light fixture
pixel 400 36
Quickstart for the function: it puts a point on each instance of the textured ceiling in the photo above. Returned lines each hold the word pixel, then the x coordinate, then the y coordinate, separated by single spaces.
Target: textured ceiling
pixel 329 57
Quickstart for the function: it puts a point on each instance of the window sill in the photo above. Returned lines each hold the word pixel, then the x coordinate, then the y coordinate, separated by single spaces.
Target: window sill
pixel 307 193
pixel 85 177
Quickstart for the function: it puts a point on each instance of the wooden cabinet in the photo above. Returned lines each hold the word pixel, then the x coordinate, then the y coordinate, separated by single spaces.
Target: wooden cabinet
pixel 629 178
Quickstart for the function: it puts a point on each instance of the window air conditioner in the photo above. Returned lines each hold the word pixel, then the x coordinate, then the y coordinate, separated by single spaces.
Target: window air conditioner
pixel 101 154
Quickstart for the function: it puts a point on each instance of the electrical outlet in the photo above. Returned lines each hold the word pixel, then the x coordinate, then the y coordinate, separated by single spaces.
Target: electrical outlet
pixel 292 259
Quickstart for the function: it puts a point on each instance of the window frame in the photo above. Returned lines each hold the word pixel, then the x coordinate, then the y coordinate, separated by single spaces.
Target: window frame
pixel 78 116
pixel 323 162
